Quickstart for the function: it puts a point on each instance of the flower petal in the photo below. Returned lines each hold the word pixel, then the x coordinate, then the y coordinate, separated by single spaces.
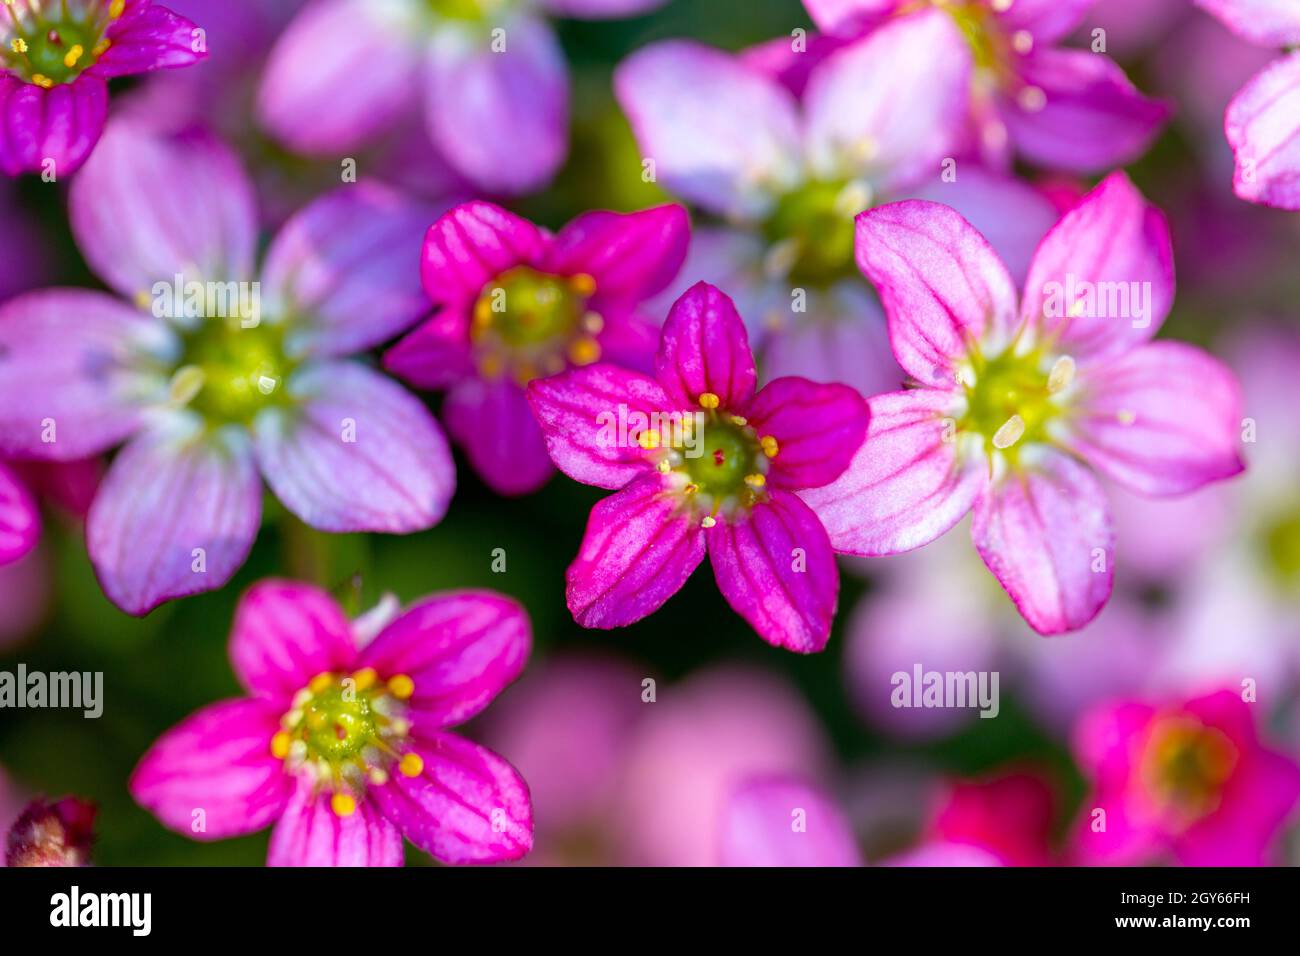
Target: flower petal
pixel 777 570
pixel 639 548
pixel 729 152
pixel 848 17
pixel 436 355
pixel 1273 23
pixel 630 255
pixel 491 420
pixel 217 761
pixel 818 429
pixel 473 244
pixel 705 349
pixel 310 833
pixel 599 9
pixel 357 453
pixel 285 633
pixel 467 806
pixel 1046 535
pixel 20 522
pixel 148 37
pixel 906 485
pixel 60 125
pixel 460 649
pixel 759 826
pixel 1047 21
pixel 176 515
pixel 941 284
pixel 1262 124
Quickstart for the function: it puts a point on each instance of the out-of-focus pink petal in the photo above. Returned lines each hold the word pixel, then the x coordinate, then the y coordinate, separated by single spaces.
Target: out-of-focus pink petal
pixel 630 255
pixel 1046 535
pixel 491 420
pixel 791 61
pixel 1262 124
pixel 472 244
pixel 944 855
pixel 176 515
pixel 942 286
pixel 728 152
pixel 147 37
pixel 20 522
pixel 60 125
pixel 776 568
pixel 285 633
pixel 1163 420
pixel 705 349
pixel 587 416
pixel 1045 20
pixel 818 429
pixel 1266 22
pixel 436 355
pixel 847 17
pixel 906 485
pixel 310 833
pixel 638 550
pixel 215 768
pixel 356 452
pixel 599 9
pixel 1258 801
pixel 775 821
pixel 460 649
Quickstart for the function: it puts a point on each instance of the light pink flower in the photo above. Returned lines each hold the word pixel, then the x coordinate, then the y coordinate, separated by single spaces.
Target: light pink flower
pixel 785 821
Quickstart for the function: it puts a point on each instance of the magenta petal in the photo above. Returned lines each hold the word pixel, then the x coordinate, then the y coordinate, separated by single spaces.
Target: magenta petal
pixel 630 255
pixel 436 355
pixel 59 125
pixel 906 485
pixel 777 570
pixel 310 833
pixel 599 9
pixel 499 116
pixel 1265 22
pixel 472 244
pixel 940 282
pixel 1262 124
pixel 818 429
pixel 175 515
pixel 1112 236
pixel 356 453
pixel 460 649
pixel 491 420
pixel 1046 20
pixel 1046 535
pixel 1162 420
pixel 705 349
pixel 147 37
pixel 781 821
pixel 20 522
pixel 467 806
pixel 347 269
pixel 848 17
pixel 285 633
pixel 217 761
pixel 639 548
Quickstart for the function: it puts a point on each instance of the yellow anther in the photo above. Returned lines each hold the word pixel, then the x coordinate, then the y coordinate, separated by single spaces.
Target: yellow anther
pixel 401 686
pixel 649 439
pixel 365 678
pixel 19 45
pixel 691 488
pixel 709 400
pixel 740 421
pixel 72 56
pixel 280 745
pixel 584 351
pixel 115 8
pixel 101 47
pixel 411 765
pixel 187 381
pixel 582 284
pixel 43 81
pixel 378 776
pixel 1012 430
pixel 769 446
pixel 755 480
pixel 343 804
pixel 1062 374
pixel 664 467
pixel 483 313
pixel 593 322
pixel 708 522
pixel 320 682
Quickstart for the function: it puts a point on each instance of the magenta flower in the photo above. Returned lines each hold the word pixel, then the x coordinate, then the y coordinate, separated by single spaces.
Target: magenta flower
pixel 1262 122
pixel 516 303
pixel 487 79
pixel 702 462
pixel 20 521
pixel 1015 404
pixel 56 59
pixel 211 378
pixel 1189 780
pixel 344 747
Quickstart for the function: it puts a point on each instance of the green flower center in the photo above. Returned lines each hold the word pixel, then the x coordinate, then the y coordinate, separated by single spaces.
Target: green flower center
pixel 337 724
pixel 1281 540
pixel 1012 398
pixel 980 30
pixel 727 454
pixel 1185 766
pixel 229 373
pixel 811 231
pixel 49 50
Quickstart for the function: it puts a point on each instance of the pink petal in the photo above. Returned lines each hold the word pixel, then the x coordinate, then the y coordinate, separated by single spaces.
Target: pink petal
pixel 1262 124
pixel 1047 21
pixel 782 821
pixel 176 515
pixel 818 429
pixel 591 418
pixel 776 568
pixel 940 282
pixel 147 37
pixel 473 244
pixel 630 255
pixel 849 17
pixel 705 349
pixel 468 806
pixel 1112 239
pixel 599 9
pixel 357 452
pixel 1046 535
pixel 729 152
pixel 1246 830
pixel 638 551
pixel 285 633
pixel 906 485
pixel 20 522
pixel 1163 420
pixel 310 833
pixel 461 650
pixel 1273 23
pixel 491 420
pixel 217 761
pixel 436 355
pixel 59 125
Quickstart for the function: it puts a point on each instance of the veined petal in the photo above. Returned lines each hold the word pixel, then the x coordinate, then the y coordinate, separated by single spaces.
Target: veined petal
pixel 20 522
pixel 148 37
pixel 705 350
pixel 757 826
pixel 491 420
pixel 1262 124
pixel 1266 22
pixel 776 569
pixel 908 482
pixel 59 125
pixel 818 429
pixel 310 833
pixel 472 244
pixel 1045 533
pixel 357 453
pixel 630 255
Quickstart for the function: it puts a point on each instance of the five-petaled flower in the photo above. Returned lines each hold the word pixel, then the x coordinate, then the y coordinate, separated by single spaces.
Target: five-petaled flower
pixel 517 303
pixel 1013 401
pixel 56 58
pixel 705 462
pixel 343 742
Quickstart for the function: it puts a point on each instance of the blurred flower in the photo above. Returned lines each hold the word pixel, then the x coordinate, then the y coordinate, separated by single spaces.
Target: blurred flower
pixel 784 821
pixel 1189 779
pixel 706 464
pixel 1001 397
pixel 55 67
pixel 343 747
pixel 516 303
pixel 52 833
pixel 20 522
pixel 223 377
pixel 25 256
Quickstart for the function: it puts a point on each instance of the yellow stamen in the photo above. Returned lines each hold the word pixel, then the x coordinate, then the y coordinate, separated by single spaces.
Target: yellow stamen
pixel 401 686
pixel 343 805
pixel 280 745
pixel 378 776
pixel 769 446
pixel 1062 374
pixel 649 439
pixel 185 384
pixel 1011 432
pixel 664 467
pixel 755 480
pixel 19 45
pixel 411 765
pixel 43 81
pixel 115 9
pixel 709 400
pixel 584 351
pixel 72 56
pixel 691 488
pixel 101 47
pixel 320 682
pixel 483 313
pixel 365 678
pixel 740 421
pixel 582 284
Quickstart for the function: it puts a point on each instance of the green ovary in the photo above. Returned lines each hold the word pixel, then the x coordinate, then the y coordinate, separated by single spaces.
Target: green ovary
pixel 230 373
pixel 463 9
pixel 1010 399
pixel 815 222
pixel 529 323
pixel 337 726
pixel 727 454
pixel 50 50
pixel 1281 540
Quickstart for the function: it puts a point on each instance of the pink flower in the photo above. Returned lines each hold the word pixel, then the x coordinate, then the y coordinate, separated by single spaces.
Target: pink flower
pixel 516 303
pixel 1189 779
pixel 785 821
pixel 344 748
pixel 702 462
pixel 1015 403
pixel 55 63
pixel 1262 122
pixel 218 374
pixel 20 521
